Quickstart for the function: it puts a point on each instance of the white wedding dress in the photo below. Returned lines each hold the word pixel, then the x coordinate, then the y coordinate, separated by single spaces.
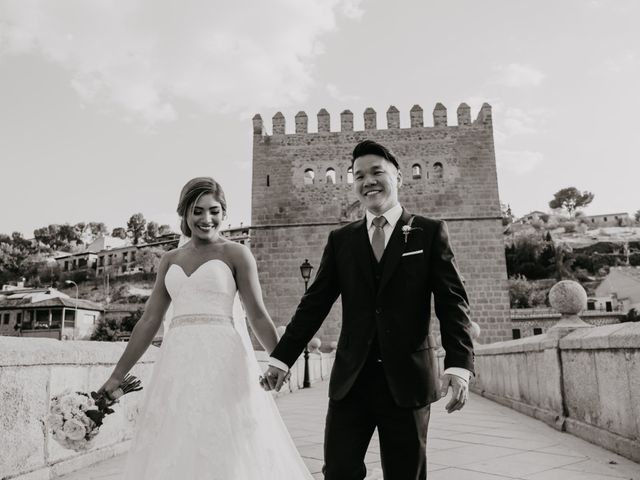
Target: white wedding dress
pixel 204 415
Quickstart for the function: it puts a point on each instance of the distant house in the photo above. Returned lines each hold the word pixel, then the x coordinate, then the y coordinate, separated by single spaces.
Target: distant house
pixel 607 220
pixel 47 312
pixel 111 254
pixel 624 284
pixel 531 217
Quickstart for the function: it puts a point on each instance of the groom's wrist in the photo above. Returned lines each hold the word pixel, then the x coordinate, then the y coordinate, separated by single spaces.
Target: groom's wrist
pixel 274 362
pixel 460 372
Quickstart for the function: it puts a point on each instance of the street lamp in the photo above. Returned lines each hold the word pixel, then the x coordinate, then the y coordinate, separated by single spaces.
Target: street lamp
pixel 75 313
pixel 305 271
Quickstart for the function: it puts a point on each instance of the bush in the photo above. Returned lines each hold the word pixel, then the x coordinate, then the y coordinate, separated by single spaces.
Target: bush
pixel 632 316
pixel 526 294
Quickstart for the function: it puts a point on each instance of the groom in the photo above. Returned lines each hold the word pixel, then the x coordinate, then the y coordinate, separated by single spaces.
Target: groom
pixel 385 266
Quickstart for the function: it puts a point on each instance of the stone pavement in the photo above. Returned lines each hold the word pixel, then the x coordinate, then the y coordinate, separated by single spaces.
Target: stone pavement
pixel 485 441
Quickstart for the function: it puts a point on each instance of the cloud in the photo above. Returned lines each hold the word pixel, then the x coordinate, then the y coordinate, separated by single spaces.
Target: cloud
pixel 622 62
pixel 337 94
pixel 518 162
pixel 518 75
pixel 145 57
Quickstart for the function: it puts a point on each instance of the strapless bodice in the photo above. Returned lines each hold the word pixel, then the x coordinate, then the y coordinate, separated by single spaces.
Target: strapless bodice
pixel 209 290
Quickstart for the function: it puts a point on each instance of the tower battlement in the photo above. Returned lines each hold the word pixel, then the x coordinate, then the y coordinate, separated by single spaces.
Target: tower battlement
pixel 370 118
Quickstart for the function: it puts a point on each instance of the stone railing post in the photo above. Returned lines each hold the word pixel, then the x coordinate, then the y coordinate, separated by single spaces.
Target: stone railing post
pixel 569 299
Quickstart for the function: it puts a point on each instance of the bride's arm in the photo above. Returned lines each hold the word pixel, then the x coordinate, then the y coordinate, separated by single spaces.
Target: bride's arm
pixel 145 330
pixel 246 272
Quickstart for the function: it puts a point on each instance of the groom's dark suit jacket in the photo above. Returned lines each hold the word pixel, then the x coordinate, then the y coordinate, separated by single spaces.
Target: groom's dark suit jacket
pixel 396 314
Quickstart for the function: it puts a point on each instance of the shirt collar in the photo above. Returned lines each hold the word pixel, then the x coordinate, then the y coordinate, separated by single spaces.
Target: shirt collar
pixel 392 215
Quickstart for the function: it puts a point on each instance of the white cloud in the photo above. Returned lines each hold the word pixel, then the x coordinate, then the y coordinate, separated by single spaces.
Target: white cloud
pixel 518 75
pixel 144 56
pixel 518 162
pixel 622 62
pixel 336 93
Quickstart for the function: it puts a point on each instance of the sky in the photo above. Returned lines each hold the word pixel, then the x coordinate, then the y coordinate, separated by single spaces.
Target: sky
pixel 107 108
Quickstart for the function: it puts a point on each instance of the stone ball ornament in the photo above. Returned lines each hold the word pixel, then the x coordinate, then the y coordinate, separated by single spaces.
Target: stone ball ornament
pixel 568 297
pixel 315 344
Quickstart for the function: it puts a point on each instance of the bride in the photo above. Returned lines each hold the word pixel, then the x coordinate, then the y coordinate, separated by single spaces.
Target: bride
pixel 204 415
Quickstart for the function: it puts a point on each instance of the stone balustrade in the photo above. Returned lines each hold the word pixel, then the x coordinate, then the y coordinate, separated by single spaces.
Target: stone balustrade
pixel 32 370
pixel 578 378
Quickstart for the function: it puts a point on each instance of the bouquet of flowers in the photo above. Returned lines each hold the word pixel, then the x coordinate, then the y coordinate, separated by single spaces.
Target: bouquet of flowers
pixel 75 417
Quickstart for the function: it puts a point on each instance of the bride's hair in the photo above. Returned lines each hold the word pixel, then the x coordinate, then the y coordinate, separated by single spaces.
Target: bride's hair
pixel 191 192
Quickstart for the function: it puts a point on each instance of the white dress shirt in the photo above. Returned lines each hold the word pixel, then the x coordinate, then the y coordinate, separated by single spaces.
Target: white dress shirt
pixel 392 216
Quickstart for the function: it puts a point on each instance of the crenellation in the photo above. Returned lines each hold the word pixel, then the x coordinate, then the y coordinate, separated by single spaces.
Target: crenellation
pixel 324 121
pixel 439 115
pixel 416 116
pixel 484 115
pixel 258 127
pixel 370 119
pixel 393 117
pixel 278 124
pixel 464 114
pixel 346 121
pixel 302 122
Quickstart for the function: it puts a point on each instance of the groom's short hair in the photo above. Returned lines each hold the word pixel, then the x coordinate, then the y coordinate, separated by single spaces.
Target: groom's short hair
pixel 369 147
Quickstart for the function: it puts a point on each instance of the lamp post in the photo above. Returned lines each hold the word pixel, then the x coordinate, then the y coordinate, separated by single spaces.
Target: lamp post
pixel 75 312
pixel 305 271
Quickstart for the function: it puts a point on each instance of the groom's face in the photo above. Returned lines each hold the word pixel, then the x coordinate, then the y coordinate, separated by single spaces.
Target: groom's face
pixel 376 181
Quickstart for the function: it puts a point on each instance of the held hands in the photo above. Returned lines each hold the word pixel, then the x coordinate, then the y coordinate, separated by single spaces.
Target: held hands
pixel 274 378
pixel 460 392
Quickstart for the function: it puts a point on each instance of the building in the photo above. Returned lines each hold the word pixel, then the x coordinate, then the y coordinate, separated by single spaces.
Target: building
pixel 533 216
pixel 607 220
pixel 47 312
pixel 112 255
pixel 623 283
pixel 301 190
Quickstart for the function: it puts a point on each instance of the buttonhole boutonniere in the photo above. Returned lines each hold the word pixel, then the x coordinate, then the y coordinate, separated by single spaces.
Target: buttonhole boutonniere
pixel 408 228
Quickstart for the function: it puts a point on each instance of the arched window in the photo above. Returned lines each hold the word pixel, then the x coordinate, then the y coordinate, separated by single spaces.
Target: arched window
pixel 416 171
pixel 437 171
pixel 309 175
pixel 331 175
pixel 350 175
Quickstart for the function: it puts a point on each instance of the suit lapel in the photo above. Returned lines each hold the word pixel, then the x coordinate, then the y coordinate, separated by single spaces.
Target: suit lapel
pixel 393 252
pixel 362 251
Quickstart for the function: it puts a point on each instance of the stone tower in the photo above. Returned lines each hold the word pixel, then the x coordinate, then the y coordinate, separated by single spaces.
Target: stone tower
pixel 301 190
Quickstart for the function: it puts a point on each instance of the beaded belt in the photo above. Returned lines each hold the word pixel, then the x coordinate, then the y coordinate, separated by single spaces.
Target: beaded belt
pixel 201 319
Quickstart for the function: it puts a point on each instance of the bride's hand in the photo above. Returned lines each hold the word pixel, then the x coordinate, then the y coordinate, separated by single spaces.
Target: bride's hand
pixel 274 378
pixel 110 386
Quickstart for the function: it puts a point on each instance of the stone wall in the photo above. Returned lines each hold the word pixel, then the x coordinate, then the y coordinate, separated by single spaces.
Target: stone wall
pixel 32 370
pixel 586 383
pixel 457 182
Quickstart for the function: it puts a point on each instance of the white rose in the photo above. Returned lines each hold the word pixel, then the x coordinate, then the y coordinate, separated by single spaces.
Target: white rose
pixel 55 408
pixel 55 421
pixel 74 429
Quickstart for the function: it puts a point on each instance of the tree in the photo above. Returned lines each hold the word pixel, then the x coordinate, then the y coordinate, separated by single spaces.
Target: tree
pixel 119 232
pixel 570 199
pixel 164 229
pixel 152 233
pixel 507 216
pixel 637 216
pixel 136 227
pixel 148 259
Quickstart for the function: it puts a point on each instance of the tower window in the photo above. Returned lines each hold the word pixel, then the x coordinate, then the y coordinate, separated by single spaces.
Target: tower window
pixel 331 176
pixel 309 175
pixel 437 171
pixel 350 175
pixel 268 181
pixel 416 171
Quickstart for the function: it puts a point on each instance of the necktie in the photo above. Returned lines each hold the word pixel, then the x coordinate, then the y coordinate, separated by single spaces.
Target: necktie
pixel 377 240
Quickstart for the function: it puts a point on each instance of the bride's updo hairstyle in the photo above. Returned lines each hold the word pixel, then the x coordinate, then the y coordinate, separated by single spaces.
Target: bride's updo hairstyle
pixel 191 193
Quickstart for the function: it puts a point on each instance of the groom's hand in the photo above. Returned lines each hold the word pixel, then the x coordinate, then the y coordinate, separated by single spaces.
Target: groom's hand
pixel 274 378
pixel 460 392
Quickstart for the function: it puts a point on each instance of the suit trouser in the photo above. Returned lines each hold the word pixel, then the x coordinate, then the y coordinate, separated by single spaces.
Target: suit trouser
pixel 352 420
